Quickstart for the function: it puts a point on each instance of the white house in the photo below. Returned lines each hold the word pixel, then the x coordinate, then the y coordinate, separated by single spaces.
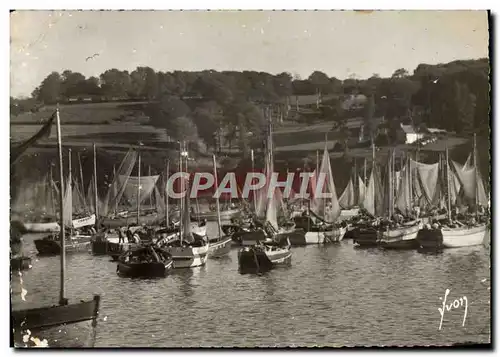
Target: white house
pixel 410 134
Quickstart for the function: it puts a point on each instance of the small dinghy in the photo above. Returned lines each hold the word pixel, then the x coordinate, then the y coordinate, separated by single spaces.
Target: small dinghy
pixel 263 257
pixel 145 261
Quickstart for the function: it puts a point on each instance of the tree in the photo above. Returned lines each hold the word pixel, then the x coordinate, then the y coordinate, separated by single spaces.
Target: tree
pixel 49 91
pixel 320 81
pixel 400 73
pixel 183 128
pixel 369 113
pixel 144 83
pixel 73 84
pixel 116 83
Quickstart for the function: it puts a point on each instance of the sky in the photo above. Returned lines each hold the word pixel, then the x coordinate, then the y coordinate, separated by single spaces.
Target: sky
pixel 339 43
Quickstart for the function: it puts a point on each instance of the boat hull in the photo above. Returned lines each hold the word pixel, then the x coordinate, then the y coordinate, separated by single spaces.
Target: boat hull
pixel 366 237
pixel 46 227
pixel 188 257
pixel 84 222
pixel 400 238
pixel 254 260
pixel 320 237
pixel 451 237
pixel 20 263
pixel 53 247
pixel 69 325
pixel 220 248
pixel 144 270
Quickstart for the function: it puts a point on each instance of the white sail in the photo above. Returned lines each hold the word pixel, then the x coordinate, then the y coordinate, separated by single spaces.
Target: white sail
pixel 326 186
pixel 68 205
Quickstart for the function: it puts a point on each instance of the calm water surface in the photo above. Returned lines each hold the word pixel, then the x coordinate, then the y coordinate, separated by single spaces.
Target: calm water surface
pixel 331 296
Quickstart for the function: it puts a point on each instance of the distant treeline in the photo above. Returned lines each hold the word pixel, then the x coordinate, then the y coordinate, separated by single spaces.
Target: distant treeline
pixel 207 104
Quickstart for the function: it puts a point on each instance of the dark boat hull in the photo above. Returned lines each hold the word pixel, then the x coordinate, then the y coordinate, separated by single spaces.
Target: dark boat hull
pixel 20 263
pixel 144 270
pixel 366 237
pixel 53 247
pixel 220 248
pixel 430 239
pixel 253 260
pixel 62 325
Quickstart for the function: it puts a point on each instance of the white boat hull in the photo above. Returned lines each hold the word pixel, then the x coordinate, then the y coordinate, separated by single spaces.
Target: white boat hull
pixel 463 237
pixel 84 222
pixel 329 236
pixel 188 257
pixel 45 227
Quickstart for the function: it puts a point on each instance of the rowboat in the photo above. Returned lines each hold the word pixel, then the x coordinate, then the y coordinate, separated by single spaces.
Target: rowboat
pixel 263 257
pixel 144 262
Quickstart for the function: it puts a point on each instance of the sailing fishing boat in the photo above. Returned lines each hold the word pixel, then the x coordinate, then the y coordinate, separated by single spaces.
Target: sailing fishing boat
pixel 35 204
pixel 366 230
pixel 274 249
pixel 320 224
pixel 352 196
pixel 188 249
pixel 221 244
pixel 59 324
pixel 75 241
pixel 264 224
pixel 399 234
pixel 454 233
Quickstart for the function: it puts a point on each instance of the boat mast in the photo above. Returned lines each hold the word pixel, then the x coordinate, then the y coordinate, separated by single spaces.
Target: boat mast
pixel 96 200
pixel 81 181
pixel 448 182
pixel 165 193
pixel 253 170
pixel 115 189
pixel 138 188
pixel 477 176
pixel 62 299
pixel 70 188
pixel 389 177
pixel 219 225
pixel 364 174
pixel 181 212
pixel 151 194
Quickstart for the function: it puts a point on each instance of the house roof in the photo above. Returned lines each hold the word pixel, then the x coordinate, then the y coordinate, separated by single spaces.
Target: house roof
pixel 408 129
pixel 357 99
pixel 306 99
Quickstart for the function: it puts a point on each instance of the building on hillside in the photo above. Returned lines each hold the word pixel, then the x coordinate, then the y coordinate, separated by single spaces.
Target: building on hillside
pixel 358 133
pixel 409 134
pixel 354 102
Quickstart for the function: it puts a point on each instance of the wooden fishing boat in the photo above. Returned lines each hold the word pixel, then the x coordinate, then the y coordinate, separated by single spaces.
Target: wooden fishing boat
pixel 84 221
pixel 366 236
pixel 50 245
pixel 187 249
pixel 447 237
pixel 64 325
pixel 145 261
pixel 401 237
pixel 317 233
pixel 42 227
pixel 20 263
pixel 263 257
pixel 458 234
pixel 60 324
pixel 220 245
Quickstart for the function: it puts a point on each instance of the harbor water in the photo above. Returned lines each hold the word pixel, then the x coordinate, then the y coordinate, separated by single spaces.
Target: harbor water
pixel 334 295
